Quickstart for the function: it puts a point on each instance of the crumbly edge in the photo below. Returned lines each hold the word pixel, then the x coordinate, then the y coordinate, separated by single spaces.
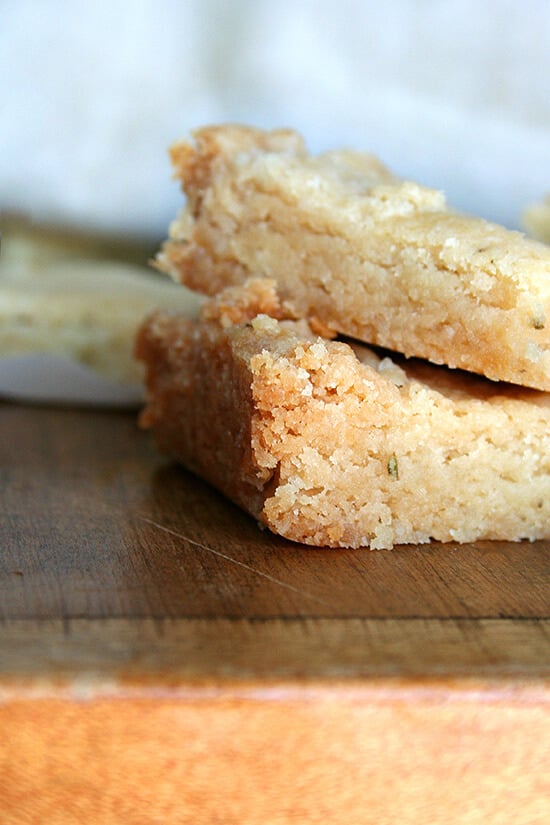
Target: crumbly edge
pixel 326 449
pixel 355 250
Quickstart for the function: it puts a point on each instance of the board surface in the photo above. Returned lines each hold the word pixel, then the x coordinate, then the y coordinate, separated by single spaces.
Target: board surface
pixel 131 591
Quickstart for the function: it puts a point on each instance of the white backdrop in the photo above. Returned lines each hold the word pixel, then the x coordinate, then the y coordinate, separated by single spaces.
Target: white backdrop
pixel 454 94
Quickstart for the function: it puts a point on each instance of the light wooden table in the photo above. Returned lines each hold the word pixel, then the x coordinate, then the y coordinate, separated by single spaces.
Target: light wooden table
pixel 164 661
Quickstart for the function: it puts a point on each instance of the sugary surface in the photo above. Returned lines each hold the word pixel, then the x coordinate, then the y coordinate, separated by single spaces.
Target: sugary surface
pixel 358 251
pixel 330 445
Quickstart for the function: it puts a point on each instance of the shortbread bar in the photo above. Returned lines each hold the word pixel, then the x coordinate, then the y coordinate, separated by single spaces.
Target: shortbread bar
pixel 69 296
pixel 536 219
pixel 331 445
pixel 358 251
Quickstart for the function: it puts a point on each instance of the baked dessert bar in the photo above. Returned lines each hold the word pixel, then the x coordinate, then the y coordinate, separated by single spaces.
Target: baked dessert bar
pixel 536 219
pixel 358 251
pixel 60 295
pixel 329 444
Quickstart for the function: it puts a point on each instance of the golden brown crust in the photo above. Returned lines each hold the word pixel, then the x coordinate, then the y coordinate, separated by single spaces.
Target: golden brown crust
pixel 365 254
pixel 204 426
pixel 329 448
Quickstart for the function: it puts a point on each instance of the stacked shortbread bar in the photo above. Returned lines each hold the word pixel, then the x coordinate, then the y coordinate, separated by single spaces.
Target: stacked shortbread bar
pixel 326 441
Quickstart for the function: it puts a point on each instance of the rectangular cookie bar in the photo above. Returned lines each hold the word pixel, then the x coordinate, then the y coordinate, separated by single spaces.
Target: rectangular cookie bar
pixel 330 445
pixel 358 251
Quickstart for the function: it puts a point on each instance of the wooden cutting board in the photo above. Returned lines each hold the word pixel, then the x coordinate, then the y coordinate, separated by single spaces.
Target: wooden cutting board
pixel 162 660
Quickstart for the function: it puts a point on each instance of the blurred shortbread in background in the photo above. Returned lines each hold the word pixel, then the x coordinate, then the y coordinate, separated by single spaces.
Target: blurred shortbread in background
pixel 536 220
pixel 70 305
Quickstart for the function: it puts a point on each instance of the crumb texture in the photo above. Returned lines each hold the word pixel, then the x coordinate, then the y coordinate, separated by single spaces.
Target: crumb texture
pixel 358 251
pixel 330 445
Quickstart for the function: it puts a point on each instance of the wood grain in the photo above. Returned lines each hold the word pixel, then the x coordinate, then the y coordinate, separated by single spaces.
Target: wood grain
pixel 96 525
pixel 180 653
pixel 162 660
